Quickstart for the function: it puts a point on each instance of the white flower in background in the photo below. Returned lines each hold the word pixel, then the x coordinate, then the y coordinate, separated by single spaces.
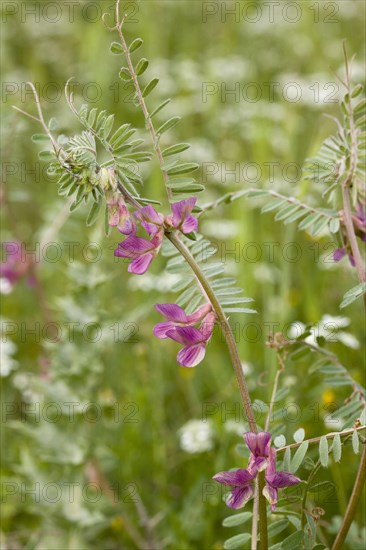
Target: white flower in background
pixel 233 427
pixel 329 327
pixel 7 362
pixel 5 286
pixel 196 436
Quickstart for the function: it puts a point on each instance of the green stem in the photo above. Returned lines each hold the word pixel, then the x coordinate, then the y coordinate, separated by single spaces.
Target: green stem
pixel 263 530
pixel 360 268
pixel 142 103
pixel 224 324
pixel 353 503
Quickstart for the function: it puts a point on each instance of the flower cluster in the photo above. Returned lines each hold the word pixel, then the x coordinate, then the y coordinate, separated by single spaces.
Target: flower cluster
pixel 262 457
pixel 180 327
pixel 139 250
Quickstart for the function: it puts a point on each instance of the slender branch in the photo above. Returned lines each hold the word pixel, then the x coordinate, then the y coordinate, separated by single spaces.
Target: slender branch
pixel 317 439
pixel 141 100
pixel 274 390
pixel 225 326
pixel 353 503
pixel 262 505
pixel 360 268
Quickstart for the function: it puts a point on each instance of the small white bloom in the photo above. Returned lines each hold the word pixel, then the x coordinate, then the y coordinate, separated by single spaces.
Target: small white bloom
pixel 5 286
pixel 233 427
pixel 7 362
pixel 196 436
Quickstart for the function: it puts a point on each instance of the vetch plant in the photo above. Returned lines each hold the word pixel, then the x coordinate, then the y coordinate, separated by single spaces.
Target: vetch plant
pixel 208 297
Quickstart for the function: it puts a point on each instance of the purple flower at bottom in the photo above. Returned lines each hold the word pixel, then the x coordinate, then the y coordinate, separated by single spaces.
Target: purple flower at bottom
pixel 194 340
pixel 242 486
pixel 259 446
pixel 276 480
pixel 176 316
pixel 181 217
pixel 140 251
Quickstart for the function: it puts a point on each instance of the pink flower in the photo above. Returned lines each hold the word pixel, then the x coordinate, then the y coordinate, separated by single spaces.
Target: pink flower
pixel 181 217
pixel 276 480
pixel 140 251
pixel 118 214
pixel 241 482
pixel 259 445
pixel 176 317
pixel 150 219
pixel 194 341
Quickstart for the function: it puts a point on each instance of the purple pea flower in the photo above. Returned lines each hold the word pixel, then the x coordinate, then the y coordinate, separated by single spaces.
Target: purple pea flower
pixel 262 457
pixel 340 253
pixel 241 482
pixel 194 341
pixel 176 316
pixel 181 216
pixel 259 446
pixel 150 219
pixel 140 251
pixel 276 480
pixel 118 214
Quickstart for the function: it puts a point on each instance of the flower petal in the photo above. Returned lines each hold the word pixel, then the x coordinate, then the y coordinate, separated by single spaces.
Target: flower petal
pixel 181 211
pixel 161 329
pixel 185 335
pixel 140 265
pixel 338 254
pixel 282 479
pixel 133 247
pixel 258 443
pixel 172 312
pixel 150 220
pixel 191 356
pixel 236 478
pixel 198 315
pixel 239 497
pixel 271 495
pixel 190 224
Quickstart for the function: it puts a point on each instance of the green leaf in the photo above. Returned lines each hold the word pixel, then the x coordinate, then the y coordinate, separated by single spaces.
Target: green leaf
pixel 323 451
pixel 334 225
pixel 237 519
pixel 108 125
pixel 46 156
pixel 160 107
pixel 355 442
pixel 276 203
pixel 352 295
pixel 287 460
pixel 141 66
pixel 175 149
pixel 299 435
pixel 53 124
pixel 284 213
pixel 135 45
pixel 337 448
pixel 149 88
pixel 237 542
pixel 186 188
pixel 183 168
pixel 125 74
pixel 92 116
pixel 116 48
pixel 40 138
pixel 93 214
pixel 299 457
pixel 293 541
pixel 357 90
pixel 277 527
pixel 280 441
pixel 239 310
pixel 169 124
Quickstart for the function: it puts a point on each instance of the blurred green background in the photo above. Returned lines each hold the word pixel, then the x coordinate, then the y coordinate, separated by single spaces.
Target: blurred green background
pixel 95 423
